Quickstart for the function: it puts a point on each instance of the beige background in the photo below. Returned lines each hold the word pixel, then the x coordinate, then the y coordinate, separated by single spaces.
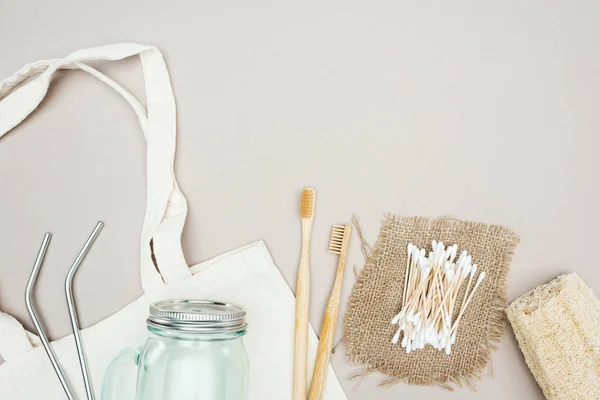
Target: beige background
pixel 483 110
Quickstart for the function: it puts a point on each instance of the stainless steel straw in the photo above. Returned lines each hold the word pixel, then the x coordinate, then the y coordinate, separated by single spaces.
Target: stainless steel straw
pixel 38 327
pixel 73 313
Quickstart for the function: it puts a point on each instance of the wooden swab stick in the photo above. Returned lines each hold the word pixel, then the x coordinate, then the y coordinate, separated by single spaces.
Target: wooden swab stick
pixel 409 306
pixel 456 289
pixel 415 272
pixel 472 274
pixel 411 276
pixel 442 303
pixel 413 299
pixel 479 280
pixel 406 274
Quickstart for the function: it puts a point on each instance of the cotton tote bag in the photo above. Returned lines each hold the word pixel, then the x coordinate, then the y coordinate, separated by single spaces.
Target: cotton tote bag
pixel 246 276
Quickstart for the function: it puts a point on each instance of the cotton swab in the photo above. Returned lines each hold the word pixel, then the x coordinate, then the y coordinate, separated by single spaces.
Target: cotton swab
pixel 473 271
pixel 460 314
pixel 432 283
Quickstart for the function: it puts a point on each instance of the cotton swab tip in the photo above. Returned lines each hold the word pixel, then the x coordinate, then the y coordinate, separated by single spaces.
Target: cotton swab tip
pixel 441 258
pixel 396 336
pixel 416 317
pixel 467 270
pixel 440 247
pixel 415 253
pixel 448 349
pixel 480 277
pixel 453 250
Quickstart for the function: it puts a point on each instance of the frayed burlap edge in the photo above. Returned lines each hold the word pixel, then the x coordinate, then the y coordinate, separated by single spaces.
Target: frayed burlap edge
pixel 495 328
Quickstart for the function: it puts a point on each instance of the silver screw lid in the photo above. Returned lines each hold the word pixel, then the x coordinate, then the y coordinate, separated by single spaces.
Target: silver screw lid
pixel 201 316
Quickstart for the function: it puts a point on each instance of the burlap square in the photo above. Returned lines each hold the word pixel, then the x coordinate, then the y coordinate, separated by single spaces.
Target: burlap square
pixel 377 296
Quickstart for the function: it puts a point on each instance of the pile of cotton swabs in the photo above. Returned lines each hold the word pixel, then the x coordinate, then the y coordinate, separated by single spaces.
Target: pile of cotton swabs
pixel 431 287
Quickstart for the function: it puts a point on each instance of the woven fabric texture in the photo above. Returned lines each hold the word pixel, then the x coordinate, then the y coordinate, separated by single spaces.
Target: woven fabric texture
pixel 557 326
pixel 377 297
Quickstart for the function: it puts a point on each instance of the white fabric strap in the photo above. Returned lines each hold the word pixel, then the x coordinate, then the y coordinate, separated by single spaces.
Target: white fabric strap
pixel 166 207
pixel 14 339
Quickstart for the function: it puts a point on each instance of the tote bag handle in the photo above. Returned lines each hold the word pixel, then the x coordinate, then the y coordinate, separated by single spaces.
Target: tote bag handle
pixel 166 207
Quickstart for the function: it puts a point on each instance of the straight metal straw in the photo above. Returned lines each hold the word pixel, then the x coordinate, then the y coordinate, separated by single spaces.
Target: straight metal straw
pixel 73 313
pixel 40 330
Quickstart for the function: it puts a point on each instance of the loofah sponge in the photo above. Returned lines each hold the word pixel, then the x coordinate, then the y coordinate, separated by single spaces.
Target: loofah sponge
pixel 557 326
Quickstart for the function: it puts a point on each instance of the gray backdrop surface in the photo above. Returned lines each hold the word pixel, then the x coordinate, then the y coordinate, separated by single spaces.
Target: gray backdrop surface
pixel 486 111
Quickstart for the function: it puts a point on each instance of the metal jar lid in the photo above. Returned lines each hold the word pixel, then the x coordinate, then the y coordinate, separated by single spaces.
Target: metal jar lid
pixel 197 316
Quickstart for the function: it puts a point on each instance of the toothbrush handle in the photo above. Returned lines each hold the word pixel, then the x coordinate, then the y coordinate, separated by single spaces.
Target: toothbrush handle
pixel 327 332
pixel 302 305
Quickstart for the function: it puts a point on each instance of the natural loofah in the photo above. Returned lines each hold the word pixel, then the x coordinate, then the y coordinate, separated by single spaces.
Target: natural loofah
pixel 557 326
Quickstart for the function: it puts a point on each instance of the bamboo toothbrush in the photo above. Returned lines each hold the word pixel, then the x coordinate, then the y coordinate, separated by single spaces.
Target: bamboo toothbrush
pixel 338 244
pixel 307 214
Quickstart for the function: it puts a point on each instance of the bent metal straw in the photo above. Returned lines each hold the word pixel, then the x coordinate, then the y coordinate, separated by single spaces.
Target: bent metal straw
pixel 39 260
pixel 430 294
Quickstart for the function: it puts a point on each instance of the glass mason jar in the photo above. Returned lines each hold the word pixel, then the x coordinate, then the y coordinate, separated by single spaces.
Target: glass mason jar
pixel 194 352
